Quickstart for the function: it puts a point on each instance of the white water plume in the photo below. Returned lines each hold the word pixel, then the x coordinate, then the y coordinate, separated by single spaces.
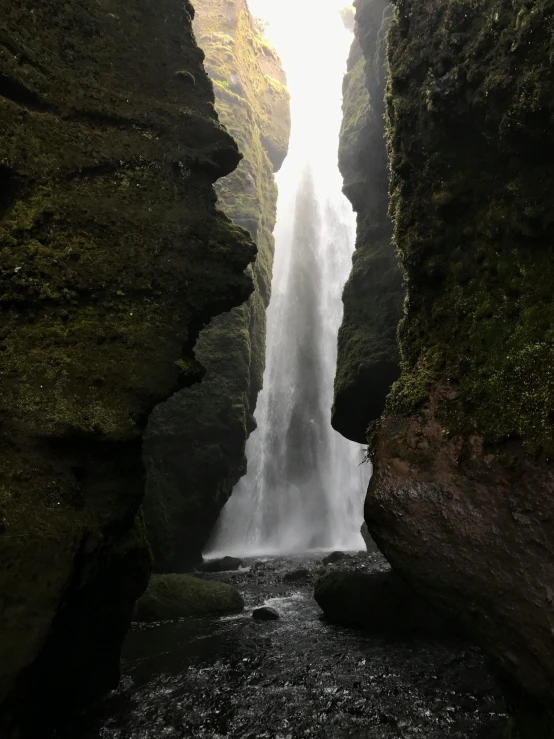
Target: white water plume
pixel 305 483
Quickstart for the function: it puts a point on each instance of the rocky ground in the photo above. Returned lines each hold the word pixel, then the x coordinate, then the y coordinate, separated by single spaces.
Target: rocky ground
pixel 299 676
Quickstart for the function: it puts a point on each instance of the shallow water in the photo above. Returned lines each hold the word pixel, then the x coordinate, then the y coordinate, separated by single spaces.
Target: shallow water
pixel 297 677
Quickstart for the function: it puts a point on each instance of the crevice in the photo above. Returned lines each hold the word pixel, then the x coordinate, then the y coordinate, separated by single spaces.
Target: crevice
pixel 11 186
pixel 20 95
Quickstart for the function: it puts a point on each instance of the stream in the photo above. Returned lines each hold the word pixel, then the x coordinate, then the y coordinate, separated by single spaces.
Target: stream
pixel 235 678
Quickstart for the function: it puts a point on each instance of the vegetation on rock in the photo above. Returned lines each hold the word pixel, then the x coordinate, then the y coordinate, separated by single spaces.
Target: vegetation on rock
pixel 368 359
pixel 178 596
pixel 112 257
pixel 195 443
pixel 462 494
pixel 473 217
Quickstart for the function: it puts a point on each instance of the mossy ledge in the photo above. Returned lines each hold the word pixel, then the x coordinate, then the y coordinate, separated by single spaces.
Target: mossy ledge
pixel 368 358
pixel 195 442
pixel 462 497
pixel 112 257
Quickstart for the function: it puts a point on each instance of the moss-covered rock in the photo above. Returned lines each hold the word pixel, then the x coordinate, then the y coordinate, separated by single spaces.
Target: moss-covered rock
pixel 112 257
pixel 178 596
pixel 462 498
pixel 368 358
pixel 195 443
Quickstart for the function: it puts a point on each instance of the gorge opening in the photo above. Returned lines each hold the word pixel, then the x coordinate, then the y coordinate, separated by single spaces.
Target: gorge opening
pixel 152 583
pixel 305 483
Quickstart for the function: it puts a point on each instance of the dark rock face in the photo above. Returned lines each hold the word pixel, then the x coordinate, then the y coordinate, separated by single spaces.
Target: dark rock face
pixel 195 442
pixel 179 596
pixel 381 602
pixel 369 543
pixel 225 564
pixel 112 257
pixel 265 613
pixel 462 498
pixel 368 358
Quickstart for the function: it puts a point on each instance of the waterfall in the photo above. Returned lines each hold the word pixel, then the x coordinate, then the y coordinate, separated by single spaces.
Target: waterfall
pixel 305 483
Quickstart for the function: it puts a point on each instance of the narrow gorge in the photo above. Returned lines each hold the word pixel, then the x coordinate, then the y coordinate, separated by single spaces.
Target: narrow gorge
pixel 191 417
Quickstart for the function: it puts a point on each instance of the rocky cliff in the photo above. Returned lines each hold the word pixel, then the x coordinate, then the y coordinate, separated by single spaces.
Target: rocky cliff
pixel 368 358
pixel 462 497
pixel 195 443
pixel 112 257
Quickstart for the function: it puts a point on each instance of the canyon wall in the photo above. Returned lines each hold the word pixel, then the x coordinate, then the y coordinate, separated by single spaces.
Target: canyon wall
pixel 195 442
pixel 368 357
pixel 462 497
pixel 112 257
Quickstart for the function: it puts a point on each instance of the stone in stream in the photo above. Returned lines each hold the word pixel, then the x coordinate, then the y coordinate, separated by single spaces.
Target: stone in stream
pixel 381 602
pixel 296 575
pixel 265 613
pixel 225 564
pixel 334 557
pixel 177 596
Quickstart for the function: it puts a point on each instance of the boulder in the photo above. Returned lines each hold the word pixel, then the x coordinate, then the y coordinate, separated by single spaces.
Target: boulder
pixel 225 564
pixel 265 613
pixel 381 602
pixel 296 575
pixel 334 557
pixel 177 596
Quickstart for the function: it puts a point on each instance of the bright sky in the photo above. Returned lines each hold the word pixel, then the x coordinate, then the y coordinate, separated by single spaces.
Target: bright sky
pixel 310 38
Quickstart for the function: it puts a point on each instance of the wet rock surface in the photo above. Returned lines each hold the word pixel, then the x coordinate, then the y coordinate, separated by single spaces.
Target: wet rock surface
pixel 177 596
pixel 379 601
pixel 299 676
pixel 334 557
pixel 298 575
pixel 265 613
pixel 224 564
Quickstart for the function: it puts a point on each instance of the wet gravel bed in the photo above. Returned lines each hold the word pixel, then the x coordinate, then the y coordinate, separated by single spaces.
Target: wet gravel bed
pixel 236 678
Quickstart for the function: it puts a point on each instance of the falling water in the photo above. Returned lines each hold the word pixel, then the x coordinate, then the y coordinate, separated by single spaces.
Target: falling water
pixel 305 483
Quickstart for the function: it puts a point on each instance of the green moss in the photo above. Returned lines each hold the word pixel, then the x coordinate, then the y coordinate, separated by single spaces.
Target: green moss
pixel 112 257
pixel 473 221
pixel 179 596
